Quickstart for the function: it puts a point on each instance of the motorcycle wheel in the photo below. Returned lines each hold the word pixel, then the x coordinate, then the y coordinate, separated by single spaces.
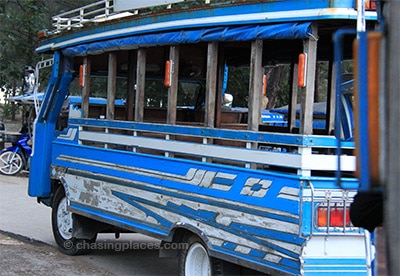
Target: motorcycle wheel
pixel 11 162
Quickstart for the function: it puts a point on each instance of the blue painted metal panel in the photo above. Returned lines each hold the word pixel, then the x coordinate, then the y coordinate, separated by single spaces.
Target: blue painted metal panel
pixel 39 176
pixel 164 165
pixel 268 206
pixel 39 185
pixel 245 193
pixel 338 266
pixel 363 127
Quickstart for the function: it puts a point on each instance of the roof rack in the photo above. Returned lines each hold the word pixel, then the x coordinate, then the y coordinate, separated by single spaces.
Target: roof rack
pixel 98 12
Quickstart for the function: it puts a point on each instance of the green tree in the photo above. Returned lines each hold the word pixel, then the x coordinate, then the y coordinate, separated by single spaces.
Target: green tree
pixel 20 21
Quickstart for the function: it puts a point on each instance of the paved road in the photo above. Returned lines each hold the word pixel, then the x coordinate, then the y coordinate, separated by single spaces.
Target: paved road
pixel 22 215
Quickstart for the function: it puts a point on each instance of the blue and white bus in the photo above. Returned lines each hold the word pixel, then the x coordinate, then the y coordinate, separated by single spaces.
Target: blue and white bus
pixel 195 155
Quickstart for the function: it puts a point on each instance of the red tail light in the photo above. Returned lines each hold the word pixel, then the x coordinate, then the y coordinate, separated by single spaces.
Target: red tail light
pixel 334 216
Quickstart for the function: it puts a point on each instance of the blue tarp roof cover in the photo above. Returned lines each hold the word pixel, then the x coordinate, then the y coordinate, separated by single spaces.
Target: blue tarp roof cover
pixel 230 33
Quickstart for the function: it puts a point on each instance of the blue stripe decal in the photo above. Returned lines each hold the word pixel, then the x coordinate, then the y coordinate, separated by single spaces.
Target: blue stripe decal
pixel 217 202
pixel 338 272
pixel 325 262
pixel 180 168
pixel 129 222
pixel 93 175
pixel 223 181
pixel 165 224
pixel 333 266
pixel 206 217
pixel 258 231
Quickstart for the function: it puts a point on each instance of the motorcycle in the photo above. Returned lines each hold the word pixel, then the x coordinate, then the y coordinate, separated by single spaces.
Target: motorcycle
pixel 15 158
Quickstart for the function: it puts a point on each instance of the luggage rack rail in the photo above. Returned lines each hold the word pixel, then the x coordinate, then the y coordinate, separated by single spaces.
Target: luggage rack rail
pixel 96 12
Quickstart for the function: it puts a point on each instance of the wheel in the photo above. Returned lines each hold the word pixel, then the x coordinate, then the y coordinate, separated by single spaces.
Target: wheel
pixel 11 162
pixel 62 223
pixel 194 260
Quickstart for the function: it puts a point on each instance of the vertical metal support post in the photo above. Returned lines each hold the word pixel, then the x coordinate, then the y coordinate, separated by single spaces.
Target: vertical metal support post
pixel 211 83
pixel 172 92
pixel 332 99
pixel 338 57
pixel 222 79
pixel 392 156
pixel 307 108
pixel 255 91
pixel 293 99
pixel 140 84
pixel 86 88
pixel 255 86
pixel 362 114
pixel 173 89
pixel 131 84
pixel 211 90
pixel 361 97
pixel 111 85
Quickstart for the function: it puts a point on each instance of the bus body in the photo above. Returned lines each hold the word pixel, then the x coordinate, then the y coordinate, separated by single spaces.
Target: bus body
pixel 174 163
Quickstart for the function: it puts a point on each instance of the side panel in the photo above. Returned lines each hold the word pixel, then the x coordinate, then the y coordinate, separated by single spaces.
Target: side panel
pixel 258 218
pixel 245 214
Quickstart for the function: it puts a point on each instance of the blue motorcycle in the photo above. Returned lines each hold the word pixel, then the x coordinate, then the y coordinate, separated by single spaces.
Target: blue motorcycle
pixel 15 158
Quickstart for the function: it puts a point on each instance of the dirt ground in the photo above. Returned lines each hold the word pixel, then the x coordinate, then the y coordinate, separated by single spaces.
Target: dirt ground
pixel 21 256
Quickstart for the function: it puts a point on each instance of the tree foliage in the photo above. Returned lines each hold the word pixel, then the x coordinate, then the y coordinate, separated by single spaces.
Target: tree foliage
pixel 20 21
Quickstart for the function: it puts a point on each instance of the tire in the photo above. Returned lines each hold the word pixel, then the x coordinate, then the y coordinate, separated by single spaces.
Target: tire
pixel 62 221
pixel 11 163
pixel 194 260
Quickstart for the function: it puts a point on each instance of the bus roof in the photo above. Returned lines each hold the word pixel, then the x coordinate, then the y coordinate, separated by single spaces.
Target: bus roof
pixel 99 21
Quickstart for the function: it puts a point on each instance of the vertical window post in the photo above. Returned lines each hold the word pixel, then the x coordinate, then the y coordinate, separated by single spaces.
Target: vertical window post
pixel 111 85
pixel 86 87
pixel 140 84
pixel 255 87
pixel 211 83
pixel 173 89
pixel 332 99
pixel 293 97
pixel 307 110
pixel 131 85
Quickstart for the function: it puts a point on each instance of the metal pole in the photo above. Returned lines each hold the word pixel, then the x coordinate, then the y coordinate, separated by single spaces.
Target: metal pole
pixel 392 202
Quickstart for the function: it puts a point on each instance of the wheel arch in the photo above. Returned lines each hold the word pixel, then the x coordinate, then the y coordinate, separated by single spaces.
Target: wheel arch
pixel 177 235
pixel 55 185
